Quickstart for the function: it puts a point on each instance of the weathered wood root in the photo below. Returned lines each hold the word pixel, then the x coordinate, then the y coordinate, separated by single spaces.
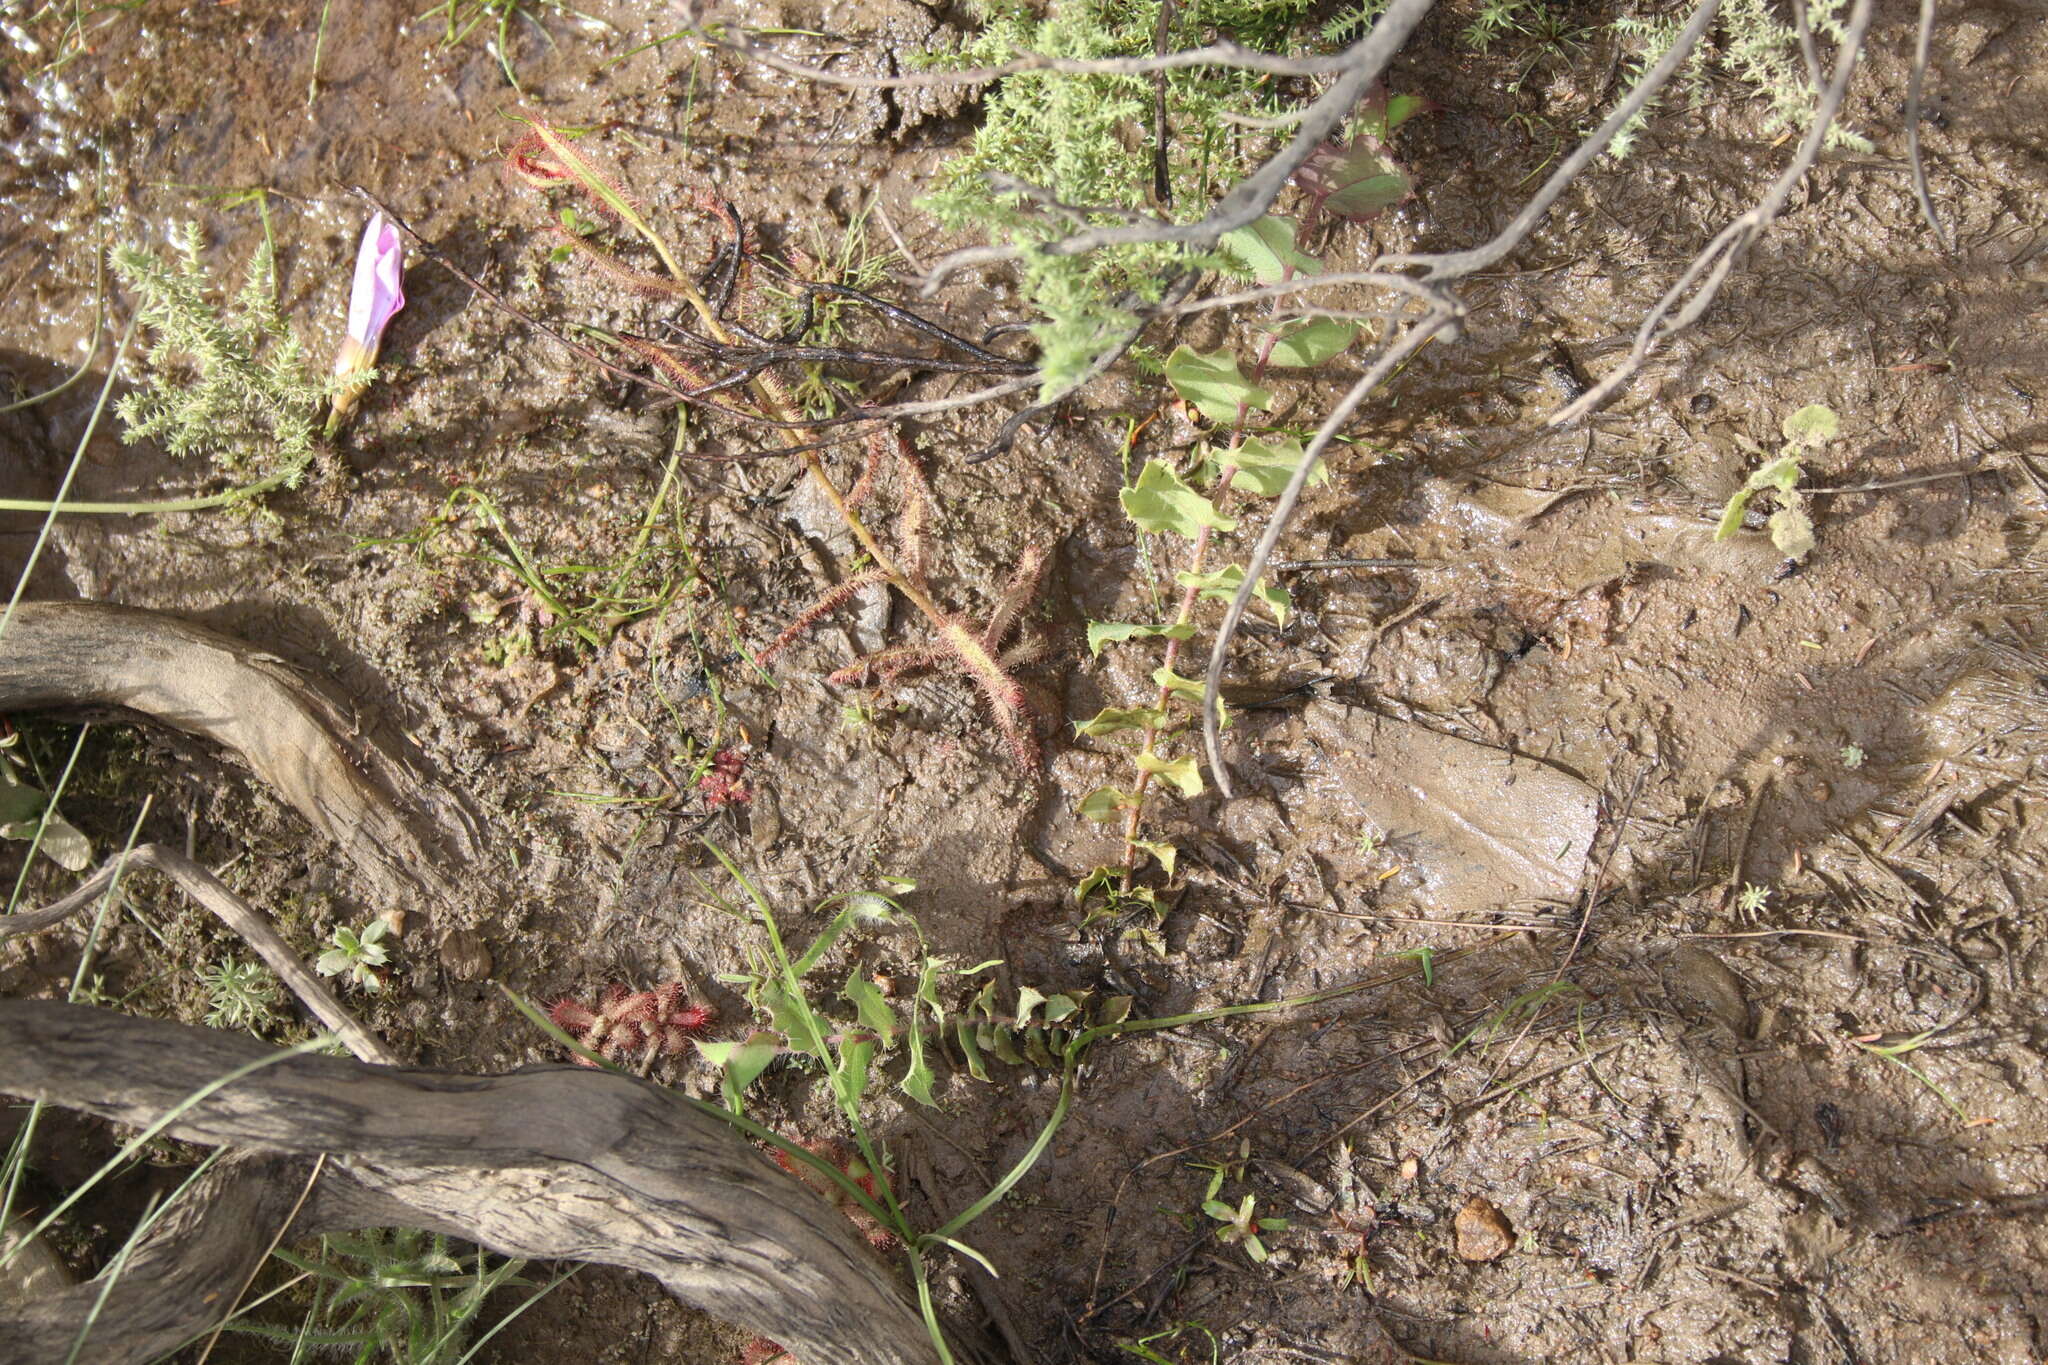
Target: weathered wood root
pixel 549 1162
pixel 79 654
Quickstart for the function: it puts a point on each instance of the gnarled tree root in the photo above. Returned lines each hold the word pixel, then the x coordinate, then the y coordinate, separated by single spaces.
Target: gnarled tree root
pixel 366 799
pixel 549 1162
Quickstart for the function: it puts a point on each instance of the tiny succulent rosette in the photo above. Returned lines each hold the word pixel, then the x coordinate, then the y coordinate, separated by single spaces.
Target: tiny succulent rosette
pixel 375 298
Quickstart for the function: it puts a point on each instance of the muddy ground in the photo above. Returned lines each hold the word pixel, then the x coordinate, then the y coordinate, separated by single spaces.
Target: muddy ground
pixel 1581 731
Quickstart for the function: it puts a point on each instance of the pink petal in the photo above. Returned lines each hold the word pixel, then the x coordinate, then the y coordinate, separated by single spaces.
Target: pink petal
pixel 379 290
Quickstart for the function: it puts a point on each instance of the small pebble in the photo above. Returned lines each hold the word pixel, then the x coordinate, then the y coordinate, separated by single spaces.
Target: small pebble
pixel 1483 1232
pixel 464 955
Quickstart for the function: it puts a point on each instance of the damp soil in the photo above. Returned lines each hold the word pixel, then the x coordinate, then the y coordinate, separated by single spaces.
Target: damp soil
pixel 1744 1060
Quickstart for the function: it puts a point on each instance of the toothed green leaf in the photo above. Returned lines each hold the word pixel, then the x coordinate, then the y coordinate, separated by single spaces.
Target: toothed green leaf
pixel 1161 501
pixel 1312 343
pixel 1103 803
pixel 1222 586
pixel 1101 633
pixel 1112 719
pixel 1215 386
pixel 871 1007
pixel 1181 772
pixel 1166 853
pixel 1264 466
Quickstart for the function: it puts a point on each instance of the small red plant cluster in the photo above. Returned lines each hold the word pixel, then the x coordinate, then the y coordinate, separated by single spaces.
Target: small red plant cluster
pixel 960 644
pixel 761 1351
pixel 634 1024
pixel 847 1159
pixel 721 785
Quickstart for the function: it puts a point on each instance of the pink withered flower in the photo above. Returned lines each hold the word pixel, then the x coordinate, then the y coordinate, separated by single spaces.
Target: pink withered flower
pixel 375 298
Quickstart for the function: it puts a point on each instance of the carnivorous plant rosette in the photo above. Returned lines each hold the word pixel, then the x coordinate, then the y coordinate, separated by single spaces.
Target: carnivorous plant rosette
pixel 375 298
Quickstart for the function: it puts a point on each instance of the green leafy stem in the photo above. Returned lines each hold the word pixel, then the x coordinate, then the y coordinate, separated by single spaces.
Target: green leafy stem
pixel 1163 501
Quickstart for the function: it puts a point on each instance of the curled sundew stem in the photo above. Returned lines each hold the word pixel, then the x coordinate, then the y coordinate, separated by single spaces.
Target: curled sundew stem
pixel 136 509
pixel 774 400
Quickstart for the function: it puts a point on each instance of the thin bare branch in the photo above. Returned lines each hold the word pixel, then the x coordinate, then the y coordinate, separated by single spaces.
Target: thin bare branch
pixel 1445 311
pixel 1714 262
pixel 1922 42
pixel 1391 358
pixel 1302 284
pixel 1452 265
pixel 1006 435
pixel 1803 23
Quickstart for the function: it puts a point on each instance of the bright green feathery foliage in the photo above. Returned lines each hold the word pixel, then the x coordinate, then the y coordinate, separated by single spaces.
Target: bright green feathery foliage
pixel 229 382
pixel 1089 141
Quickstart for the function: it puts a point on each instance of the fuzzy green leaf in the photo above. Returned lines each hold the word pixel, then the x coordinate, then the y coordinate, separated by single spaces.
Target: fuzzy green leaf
pixel 1731 515
pixel 740 1061
pixel 871 1007
pixel 1103 803
pixel 1166 853
pixel 1264 466
pixel 1267 250
pixel 1214 384
pixel 1101 633
pixel 1312 343
pixel 1813 425
pixel 1029 998
pixel 1222 586
pixel 1181 772
pixel 1161 501
pixel 1112 719
pixel 1792 532
pixel 1781 474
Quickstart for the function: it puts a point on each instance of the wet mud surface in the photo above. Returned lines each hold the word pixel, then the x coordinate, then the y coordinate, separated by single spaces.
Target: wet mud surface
pixel 1724 837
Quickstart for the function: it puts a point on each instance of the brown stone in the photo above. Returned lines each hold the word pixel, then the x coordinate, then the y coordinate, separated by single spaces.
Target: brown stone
pixel 1484 1232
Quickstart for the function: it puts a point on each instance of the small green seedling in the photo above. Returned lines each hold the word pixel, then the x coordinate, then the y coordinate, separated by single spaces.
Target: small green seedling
pixel 1852 755
pixel 1791 529
pixel 30 814
pixel 1241 1225
pixel 1753 898
pixel 1143 1347
pixel 242 995
pixel 1426 958
pixel 1896 1052
pixel 358 954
